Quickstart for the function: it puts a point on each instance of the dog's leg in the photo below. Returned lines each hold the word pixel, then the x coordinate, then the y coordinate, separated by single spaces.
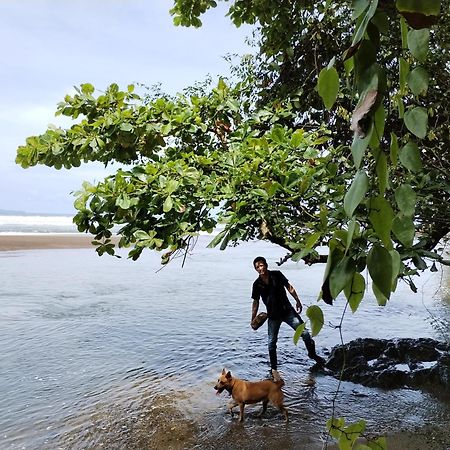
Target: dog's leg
pixel 285 412
pixel 277 400
pixel 241 411
pixel 232 405
pixel 264 408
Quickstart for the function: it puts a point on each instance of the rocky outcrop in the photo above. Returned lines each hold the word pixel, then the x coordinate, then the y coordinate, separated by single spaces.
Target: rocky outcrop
pixel 416 363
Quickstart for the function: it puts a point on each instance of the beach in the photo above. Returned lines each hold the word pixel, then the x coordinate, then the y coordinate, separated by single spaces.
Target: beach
pixel 35 241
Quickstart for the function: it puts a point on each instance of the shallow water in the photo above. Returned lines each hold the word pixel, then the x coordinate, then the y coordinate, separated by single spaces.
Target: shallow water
pixel 110 353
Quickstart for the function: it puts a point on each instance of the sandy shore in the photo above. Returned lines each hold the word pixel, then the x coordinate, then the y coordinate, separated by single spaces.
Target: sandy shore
pixel 44 241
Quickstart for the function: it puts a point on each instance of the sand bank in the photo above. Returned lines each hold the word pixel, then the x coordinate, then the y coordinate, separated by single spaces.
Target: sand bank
pixel 44 241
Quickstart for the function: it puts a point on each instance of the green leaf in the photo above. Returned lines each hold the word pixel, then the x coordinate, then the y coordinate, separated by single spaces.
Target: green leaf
pixel 298 332
pixel 381 298
pixel 217 239
pixel 87 88
pixel 124 126
pixel 381 215
pixel 123 201
pixel 403 229
pixel 335 425
pixel 410 157
pixel 168 204
pixel 396 262
pixel 341 275
pixel 406 199
pixel 328 86
pixel 356 192
pixel 403 72
pixel 416 120
pixel 261 193
pixel 359 146
pixel 297 137
pixel 354 291
pixel 350 434
pixel 362 23
pixel 418 43
pixel 378 127
pixel 359 6
pixel 315 315
pixel 352 226
pixel 382 173
pixel 379 264
pixel 378 444
pixel 393 150
pixel 418 81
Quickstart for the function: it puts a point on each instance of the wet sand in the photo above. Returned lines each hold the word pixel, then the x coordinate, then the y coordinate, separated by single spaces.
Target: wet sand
pixel 45 241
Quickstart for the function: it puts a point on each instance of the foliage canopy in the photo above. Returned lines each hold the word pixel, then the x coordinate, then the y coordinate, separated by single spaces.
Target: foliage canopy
pixel 335 133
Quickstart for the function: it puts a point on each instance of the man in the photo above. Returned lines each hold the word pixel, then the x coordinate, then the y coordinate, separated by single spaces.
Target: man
pixel 271 286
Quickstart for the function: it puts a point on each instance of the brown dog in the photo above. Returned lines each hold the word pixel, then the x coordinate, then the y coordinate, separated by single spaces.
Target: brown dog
pixel 248 392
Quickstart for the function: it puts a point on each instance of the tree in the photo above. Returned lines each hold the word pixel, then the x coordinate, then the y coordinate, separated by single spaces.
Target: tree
pixel 254 153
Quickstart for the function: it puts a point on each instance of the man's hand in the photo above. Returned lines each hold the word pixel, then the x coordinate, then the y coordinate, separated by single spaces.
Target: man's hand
pixel 299 306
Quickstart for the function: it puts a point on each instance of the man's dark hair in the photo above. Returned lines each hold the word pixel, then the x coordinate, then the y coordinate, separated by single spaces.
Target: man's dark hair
pixel 260 259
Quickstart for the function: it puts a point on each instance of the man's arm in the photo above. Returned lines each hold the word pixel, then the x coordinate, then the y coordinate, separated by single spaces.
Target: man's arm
pixel 294 294
pixel 255 306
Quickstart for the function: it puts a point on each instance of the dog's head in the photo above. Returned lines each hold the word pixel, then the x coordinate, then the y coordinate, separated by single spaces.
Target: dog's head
pixel 224 381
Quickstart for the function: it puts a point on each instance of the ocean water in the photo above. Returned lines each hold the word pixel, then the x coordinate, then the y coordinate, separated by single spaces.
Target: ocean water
pixel 115 354
pixel 16 224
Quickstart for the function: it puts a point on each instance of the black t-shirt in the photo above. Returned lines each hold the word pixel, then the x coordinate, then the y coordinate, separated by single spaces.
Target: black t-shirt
pixel 273 294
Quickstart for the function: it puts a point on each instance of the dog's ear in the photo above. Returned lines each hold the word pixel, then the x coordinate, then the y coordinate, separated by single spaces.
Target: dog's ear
pixel 228 375
pixel 224 371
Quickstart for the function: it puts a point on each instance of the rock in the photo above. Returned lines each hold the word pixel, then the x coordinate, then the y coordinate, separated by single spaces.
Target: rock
pixel 391 378
pixel 393 363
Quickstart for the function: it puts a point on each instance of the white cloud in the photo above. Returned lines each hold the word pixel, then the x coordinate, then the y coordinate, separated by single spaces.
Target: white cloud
pixel 49 47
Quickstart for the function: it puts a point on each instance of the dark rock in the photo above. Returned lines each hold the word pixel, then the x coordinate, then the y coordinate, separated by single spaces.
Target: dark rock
pixel 443 368
pixel 418 349
pixel 391 378
pixel 393 363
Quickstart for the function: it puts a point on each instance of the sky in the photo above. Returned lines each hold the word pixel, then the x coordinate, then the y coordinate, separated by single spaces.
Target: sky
pixel 49 46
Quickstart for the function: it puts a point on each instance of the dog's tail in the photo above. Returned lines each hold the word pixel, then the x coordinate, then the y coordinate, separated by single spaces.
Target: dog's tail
pixel 277 378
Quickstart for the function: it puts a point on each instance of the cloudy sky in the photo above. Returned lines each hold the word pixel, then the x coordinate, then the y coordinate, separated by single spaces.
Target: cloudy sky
pixel 49 46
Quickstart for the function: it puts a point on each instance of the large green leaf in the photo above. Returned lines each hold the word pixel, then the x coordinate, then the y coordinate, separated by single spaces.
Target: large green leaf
pixel 419 13
pixel 418 80
pixel 416 120
pixel 406 199
pixel 381 215
pixel 341 275
pixel 315 316
pixel 359 6
pixel 379 264
pixel 410 157
pixel 356 192
pixel 354 291
pixel 418 43
pixel 403 229
pixel 328 86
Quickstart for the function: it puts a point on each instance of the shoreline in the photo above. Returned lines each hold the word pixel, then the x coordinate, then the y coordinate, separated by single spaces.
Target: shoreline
pixel 41 241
